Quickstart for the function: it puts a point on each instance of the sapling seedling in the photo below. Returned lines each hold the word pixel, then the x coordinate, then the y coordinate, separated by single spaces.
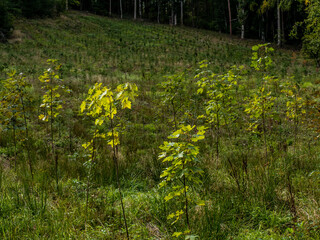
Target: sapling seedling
pixel 220 98
pixel 260 106
pixel 259 109
pixel 91 148
pixel 182 172
pixel 174 94
pixel 13 107
pixel 294 105
pixel 261 60
pixel 103 104
pixel 52 103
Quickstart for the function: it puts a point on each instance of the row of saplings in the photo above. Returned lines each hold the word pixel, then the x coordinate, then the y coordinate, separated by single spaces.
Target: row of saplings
pixel 180 152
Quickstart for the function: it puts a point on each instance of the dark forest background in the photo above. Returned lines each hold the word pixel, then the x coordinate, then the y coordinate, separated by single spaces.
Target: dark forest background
pixel 259 17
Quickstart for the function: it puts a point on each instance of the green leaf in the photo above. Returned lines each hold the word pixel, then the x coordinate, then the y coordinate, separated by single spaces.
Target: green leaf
pixel 83 106
pixel 201 203
pixel 200 91
pixel 98 122
pixel 176 234
pixel 192 237
pixel 307 84
pixel 255 47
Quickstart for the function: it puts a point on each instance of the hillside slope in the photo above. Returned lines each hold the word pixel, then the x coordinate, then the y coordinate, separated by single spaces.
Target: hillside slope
pixel 256 183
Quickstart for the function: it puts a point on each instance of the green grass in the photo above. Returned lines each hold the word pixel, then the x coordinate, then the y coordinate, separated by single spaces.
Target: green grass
pixel 244 199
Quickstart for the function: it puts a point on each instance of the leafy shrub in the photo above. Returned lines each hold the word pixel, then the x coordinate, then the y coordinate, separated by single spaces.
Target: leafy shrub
pixel 311 38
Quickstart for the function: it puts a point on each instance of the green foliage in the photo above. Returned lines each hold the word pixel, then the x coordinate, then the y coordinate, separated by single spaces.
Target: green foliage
pixel 259 108
pixel 242 12
pixel 52 103
pixel 295 103
pixel 311 39
pixel 220 91
pixel 102 104
pixel 261 60
pixel 220 98
pixel 13 89
pixel 174 87
pixel 175 95
pixel 51 99
pixel 182 174
pixel 260 105
pixel 13 109
pixel 74 3
pixel 14 96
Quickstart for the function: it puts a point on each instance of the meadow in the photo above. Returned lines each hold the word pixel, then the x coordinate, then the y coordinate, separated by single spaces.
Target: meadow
pixel 242 158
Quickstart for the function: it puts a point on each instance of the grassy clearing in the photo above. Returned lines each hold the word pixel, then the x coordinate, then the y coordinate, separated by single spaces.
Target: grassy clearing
pixel 244 198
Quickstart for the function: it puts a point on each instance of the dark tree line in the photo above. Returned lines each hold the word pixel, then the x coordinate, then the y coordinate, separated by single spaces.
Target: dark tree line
pixel 268 20
pixel 26 8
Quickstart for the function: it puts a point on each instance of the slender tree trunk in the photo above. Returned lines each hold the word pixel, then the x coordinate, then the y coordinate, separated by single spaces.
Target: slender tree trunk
pixel 67 5
pixel 174 115
pixel 242 26
pixel 282 25
pixel 158 19
pixel 54 157
pixel 172 15
pixel 121 16
pixel 267 26
pixel 87 195
pixel 135 10
pixel 230 19
pixel 110 8
pixel 89 174
pixel 218 135
pixel 56 169
pixel 27 136
pixel 279 23
pixel 263 37
pixel 265 136
pixel 241 18
pixel 186 198
pixel 140 9
pixel 181 12
pixel 193 13
pixel 70 139
pixel 296 124
pixel 242 31
pixel 55 8
pixel 115 160
pixel 15 146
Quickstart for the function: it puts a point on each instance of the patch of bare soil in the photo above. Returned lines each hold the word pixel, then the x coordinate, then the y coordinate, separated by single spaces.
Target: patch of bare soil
pixel 155 231
pixel 4 163
pixel 16 37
